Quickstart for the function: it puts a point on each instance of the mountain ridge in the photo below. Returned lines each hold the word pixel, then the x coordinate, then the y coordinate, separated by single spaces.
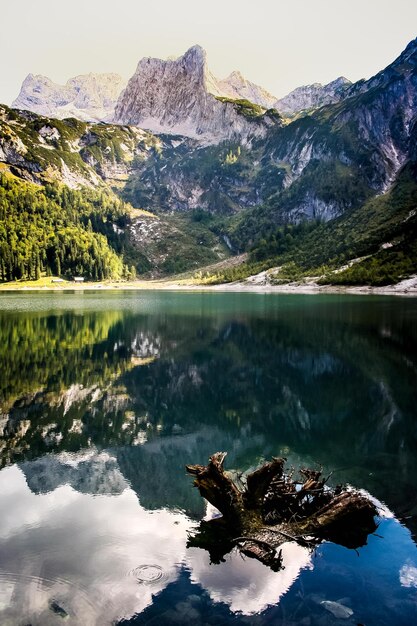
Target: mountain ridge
pixel 313 96
pixel 95 97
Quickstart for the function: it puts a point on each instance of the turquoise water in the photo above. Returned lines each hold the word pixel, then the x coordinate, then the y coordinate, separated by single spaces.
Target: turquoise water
pixel 104 398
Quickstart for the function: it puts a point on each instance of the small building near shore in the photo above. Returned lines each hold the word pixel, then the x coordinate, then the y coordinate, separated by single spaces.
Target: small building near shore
pixel 78 279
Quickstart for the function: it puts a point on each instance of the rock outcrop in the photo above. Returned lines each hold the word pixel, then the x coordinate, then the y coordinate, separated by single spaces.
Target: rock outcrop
pixel 76 153
pixel 371 129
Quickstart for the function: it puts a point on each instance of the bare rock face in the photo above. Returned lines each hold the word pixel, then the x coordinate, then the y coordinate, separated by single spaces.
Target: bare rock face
pixel 89 97
pixel 176 97
pixel 374 123
pixel 313 96
pixel 236 86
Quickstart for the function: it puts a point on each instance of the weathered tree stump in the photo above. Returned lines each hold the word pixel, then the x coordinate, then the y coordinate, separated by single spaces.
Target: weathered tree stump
pixel 271 508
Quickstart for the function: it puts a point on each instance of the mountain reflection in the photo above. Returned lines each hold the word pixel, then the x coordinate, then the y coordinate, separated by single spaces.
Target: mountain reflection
pixel 94 546
pixel 96 579
pixel 101 411
pixel 335 383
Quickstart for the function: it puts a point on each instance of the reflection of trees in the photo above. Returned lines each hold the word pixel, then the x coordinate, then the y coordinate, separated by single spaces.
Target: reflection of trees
pixel 61 386
pixel 54 367
pixel 295 387
pixel 39 351
pixel 335 383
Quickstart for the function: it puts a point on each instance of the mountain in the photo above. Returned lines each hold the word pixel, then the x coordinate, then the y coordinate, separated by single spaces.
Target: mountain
pixel 64 175
pixel 235 172
pixel 95 472
pixel 236 87
pixel 313 96
pixel 174 96
pixel 345 152
pixel 93 97
pixel 89 97
pixel 316 167
pixel 45 150
pixel 351 164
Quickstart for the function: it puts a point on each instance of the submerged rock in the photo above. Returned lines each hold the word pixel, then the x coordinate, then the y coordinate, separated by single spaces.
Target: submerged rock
pixel 58 610
pixel 337 609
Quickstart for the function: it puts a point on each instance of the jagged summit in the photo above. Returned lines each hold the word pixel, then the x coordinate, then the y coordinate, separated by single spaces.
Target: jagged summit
pixel 196 52
pixel 89 97
pixel 403 66
pixel 235 75
pixel 410 49
pixel 179 97
pixel 196 56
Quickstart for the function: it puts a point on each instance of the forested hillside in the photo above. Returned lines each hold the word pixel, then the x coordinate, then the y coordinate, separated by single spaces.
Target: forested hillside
pixel 380 236
pixel 60 231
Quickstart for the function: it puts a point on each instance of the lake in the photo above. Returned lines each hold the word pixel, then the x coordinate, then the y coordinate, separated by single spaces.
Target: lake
pixel 105 397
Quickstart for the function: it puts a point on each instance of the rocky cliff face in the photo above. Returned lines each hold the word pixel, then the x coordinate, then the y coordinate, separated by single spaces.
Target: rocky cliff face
pixel 375 119
pixel 89 97
pixel 175 97
pixel 312 96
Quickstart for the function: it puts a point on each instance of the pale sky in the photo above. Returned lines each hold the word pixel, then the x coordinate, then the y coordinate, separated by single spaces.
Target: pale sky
pixel 277 44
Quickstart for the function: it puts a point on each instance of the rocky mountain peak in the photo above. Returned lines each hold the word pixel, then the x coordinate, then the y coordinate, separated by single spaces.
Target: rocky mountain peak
pixel 237 87
pixel 339 82
pixel 410 50
pixel 194 60
pixel 89 97
pixel 235 76
pixel 196 54
pixel 406 61
pixel 180 97
pixel 174 96
pixel 404 66
pixel 313 96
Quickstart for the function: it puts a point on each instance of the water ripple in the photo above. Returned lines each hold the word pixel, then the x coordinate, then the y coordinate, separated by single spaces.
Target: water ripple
pixel 50 600
pixel 148 574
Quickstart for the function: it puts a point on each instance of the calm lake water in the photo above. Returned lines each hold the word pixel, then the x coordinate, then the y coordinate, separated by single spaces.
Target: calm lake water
pixel 105 397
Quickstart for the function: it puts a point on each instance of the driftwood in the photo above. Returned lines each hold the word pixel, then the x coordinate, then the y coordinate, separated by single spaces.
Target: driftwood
pixel 271 508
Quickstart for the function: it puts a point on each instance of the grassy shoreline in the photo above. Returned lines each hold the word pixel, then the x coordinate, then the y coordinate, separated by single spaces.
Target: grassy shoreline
pixel 405 287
